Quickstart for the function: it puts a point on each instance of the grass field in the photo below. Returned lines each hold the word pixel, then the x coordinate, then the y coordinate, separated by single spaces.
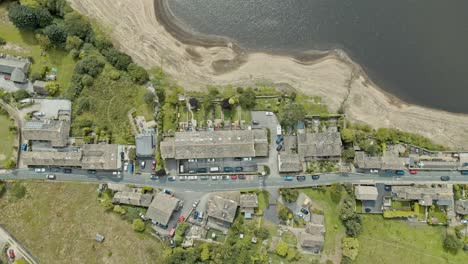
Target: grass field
pixel 334 227
pixel 57 222
pixel 6 139
pixel 394 241
pixel 28 47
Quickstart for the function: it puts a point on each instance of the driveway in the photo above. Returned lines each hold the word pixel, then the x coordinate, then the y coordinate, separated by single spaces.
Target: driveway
pixel 270 122
pixel 12 87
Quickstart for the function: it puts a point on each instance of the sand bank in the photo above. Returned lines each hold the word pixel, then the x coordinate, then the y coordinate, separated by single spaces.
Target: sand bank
pixel 198 62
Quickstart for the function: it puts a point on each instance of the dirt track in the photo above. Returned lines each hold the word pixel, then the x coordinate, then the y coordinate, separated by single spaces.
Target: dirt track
pixel 135 29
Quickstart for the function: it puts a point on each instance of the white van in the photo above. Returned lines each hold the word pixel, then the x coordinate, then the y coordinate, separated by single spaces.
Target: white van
pixel 214 169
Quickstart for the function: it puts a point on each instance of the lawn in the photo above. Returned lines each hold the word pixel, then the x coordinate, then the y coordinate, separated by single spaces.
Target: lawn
pixel 27 46
pixel 394 241
pixel 263 200
pixel 7 139
pixel 334 227
pixel 57 222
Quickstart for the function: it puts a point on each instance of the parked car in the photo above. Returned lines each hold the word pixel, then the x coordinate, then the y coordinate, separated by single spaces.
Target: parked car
pixel 255 123
pixel 214 177
pixel 50 176
pixel 203 178
pixel 171 178
pixel 315 177
pixel 142 164
pixel 388 188
pixel 6 77
pixel 238 169
pixel 238 159
pixel 192 171
pixel 11 254
pixel 166 191
pixel 464 172
pixel 300 214
pixel 210 160
pixel 225 177
pixel 181 219
pixel 374 171
pixel 269 113
pixel 288 178
pixel 242 177
pixel 279 147
pixel 228 169
pixel 195 204
pixel 304 211
pixel 154 177
pixel 172 232
pixel 38 114
pixel 279 138
pixel 247 159
pixel 200 216
pixel 24 147
pixel 182 178
pixel 202 170
pixel 67 171
pixel 301 178
pixel 413 171
pixel 153 167
pixel 125 167
pixel 192 160
pixel 233 177
pixel 445 178
pixel 195 214
pixel 400 172
pixel 39 170
pixel 91 172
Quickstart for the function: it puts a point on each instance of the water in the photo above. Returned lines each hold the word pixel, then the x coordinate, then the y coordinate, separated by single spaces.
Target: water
pixel 414 49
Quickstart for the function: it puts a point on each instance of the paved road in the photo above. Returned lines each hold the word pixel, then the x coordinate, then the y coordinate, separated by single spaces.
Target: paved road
pixel 251 181
pixel 270 122
pixel 19 249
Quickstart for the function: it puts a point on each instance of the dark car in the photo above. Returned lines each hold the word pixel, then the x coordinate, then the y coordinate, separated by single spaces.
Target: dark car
pixel 255 123
pixel 300 178
pixel 367 210
pixel 68 171
pixel 279 138
pixel 445 178
pixel 171 178
pixel 238 169
pixel 279 147
pixel 238 159
pixel 228 169
pixel 315 177
pixel 242 177
pixel 202 170
pixel 195 214
pixel 388 188
pixel 91 172
pixel 304 211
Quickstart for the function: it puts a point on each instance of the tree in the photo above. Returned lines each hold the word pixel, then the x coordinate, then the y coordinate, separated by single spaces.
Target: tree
pixel 139 74
pixel 348 154
pixel 52 88
pixel 138 225
pixel 119 209
pixel 21 94
pixel 89 65
pixel 148 97
pixel 87 80
pixel 261 233
pixel 451 243
pixel 73 42
pixel 131 154
pixel 283 213
pixel 118 59
pixel 347 136
pixel 23 17
pixel 56 34
pixel 292 113
pixel 56 7
pixel 205 252
pixel 43 17
pixel 44 42
pixel 225 104
pixel 336 192
pixel 289 195
pixel 10 164
pixel 2 41
pixel 350 247
pixel 353 226
pixel 76 25
pixel 281 248
pixel 293 254
pixel 194 102
pixel 247 99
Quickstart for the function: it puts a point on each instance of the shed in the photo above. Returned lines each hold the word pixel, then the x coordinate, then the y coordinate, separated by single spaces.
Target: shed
pixel 100 238
pixel 39 88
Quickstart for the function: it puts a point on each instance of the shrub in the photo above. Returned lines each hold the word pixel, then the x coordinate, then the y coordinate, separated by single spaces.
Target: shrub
pixel 52 88
pixel 118 59
pixel 17 191
pixel 149 98
pixel 397 214
pixel 289 195
pixel 451 243
pixel 89 65
pixel 281 248
pixel 139 74
pixel 350 247
pixel 23 17
pixel 283 213
pixel 118 209
pixel 21 94
pixel 146 189
pixel 10 164
pixel 138 225
pixel 261 233
pixel 2 41
pixel 56 34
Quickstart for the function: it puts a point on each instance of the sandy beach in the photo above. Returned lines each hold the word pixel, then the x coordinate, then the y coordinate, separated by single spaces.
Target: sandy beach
pixel 195 63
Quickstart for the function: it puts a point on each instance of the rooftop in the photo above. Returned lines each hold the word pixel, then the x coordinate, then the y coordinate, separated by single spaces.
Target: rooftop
pixel 133 198
pixel 215 144
pixel 144 145
pixel 289 163
pixel 368 193
pixel 222 208
pixel 425 195
pixel 100 157
pixel 363 161
pixel 461 207
pixel 55 108
pixel 161 208
pixel 311 241
pixel 249 200
pixel 325 144
pixel 47 130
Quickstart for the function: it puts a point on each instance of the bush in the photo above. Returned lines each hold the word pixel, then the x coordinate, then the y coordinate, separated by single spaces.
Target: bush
pixel 281 248
pixel 289 195
pixel 52 88
pixel 36 76
pixel 283 213
pixel 350 247
pixel 76 25
pixel 261 233
pixel 451 243
pixel 89 65
pixel 2 41
pixel 336 192
pixel 149 98
pixel 139 74
pixel 56 34
pixel 23 17
pixel 118 209
pixel 397 214
pixel 146 189
pixel 118 59
pixel 17 191
pixel 138 225
pixel 10 164
pixel 21 94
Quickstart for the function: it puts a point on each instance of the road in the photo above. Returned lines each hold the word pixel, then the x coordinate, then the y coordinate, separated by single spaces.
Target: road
pixel 251 181
pixel 19 249
pixel 271 123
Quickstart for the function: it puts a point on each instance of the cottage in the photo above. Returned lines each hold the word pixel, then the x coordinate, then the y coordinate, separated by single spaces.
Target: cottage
pixel 144 145
pixel 161 208
pixel 289 163
pixel 461 207
pixel 320 146
pixel 366 193
pixel 425 195
pixel 132 198
pixel 16 67
pixel 248 203
pixel 54 132
pixel 313 243
pixel 221 211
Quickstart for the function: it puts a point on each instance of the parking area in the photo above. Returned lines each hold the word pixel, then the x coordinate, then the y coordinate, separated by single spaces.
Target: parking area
pixel 225 165
pixel 12 87
pixel 146 165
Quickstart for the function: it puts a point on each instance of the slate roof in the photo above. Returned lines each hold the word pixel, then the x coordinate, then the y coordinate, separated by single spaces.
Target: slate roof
pixel 249 200
pixel 311 241
pixel 289 163
pixel 9 65
pixel 363 161
pixel 132 198
pixel 424 195
pixel 222 209
pixel 144 145
pixel 39 87
pixel 366 193
pixel 161 208
pixel 215 144
pixel 325 144
pixel 461 207
pixel 55 131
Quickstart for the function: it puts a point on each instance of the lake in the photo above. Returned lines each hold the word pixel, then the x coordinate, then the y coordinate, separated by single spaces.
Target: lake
pixel 414 49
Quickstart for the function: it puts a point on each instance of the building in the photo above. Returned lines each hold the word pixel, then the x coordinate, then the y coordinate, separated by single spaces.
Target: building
pixel 161 208
pixel 289 163
pixel 16 67
pixel 425 194
pixel 461 207
pixel 366 193
pixel 144 145
pixel 135 197
pixel 309 242
pixel 90 157
pixel 215 144
pixel 365 162
pixel 319 146
pixel 39 88
pixel 248 203
pixel 53 132
pixel 221 211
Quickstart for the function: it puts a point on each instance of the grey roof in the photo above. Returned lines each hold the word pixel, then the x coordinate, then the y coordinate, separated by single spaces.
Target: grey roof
pixel 161 208
pixel 18 76
pixel 393 162
pixel 144 145
pixel 461 207
pixel 289 163
pixel 367 193
pixel 316 145
pixel 249 200
pixel 307 240
pixel 315 229
pixel 317 219
pixel 363 161
pixel 91 157
pixel 9 65
pixel 118 187
pixel 54 131
pixel 133 198
pixel 215 144
pixel 39 87
pixel 222 209
pixel 425 195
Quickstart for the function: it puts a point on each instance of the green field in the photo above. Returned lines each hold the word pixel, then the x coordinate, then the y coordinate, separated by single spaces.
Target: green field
pixel 7 139
pixel 26 45
pixel 58 222
pixel 394 241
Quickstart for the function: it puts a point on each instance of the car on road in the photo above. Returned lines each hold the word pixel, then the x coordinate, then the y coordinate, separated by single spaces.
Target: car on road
pixel 400 172
pixel 200 216
pixel 6 77
pixel 172 232
pixel 233 177
pixel 464 172
pixel 192 171
pixel 242 177
pixel 166 191
pixel 247 159
pixel 268 113
pixel 154 177
pixel 445 178
pixel 374 171
pixel 192 178
pixel 38 114
pixel 255 123
pixel 182 178
pixel 39 170
pixel 238 159
pixel 143 164
pixel 50 177
pixel 67 171
pixel 239 169
pixel 171 178
pixel 288 178
pixel 195 214
pixel 279 138
pixel 116 173
pixel 301 178
pixel 279 147
pixel 225 177
pixel 91 172
pixel 202 170
pixel 304 211
pixel 204 178
pixel 125 167
pixel 192 160
pixel 214 177
pixel 181 219
pixel 413 171
pixel 11 254
pixel 228 169
pixel 315 177
pixel 388 188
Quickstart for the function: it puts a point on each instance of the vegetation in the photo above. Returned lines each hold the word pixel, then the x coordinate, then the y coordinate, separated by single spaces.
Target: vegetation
pixel 138 225
pixel 7 138
pixel 282 248
pixel 351 220
pixel 292 114
pixel 350 247
pixel 289 195
pixel 16 191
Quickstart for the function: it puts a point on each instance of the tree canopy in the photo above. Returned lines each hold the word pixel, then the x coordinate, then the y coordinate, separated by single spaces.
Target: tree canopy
pixel 292 113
